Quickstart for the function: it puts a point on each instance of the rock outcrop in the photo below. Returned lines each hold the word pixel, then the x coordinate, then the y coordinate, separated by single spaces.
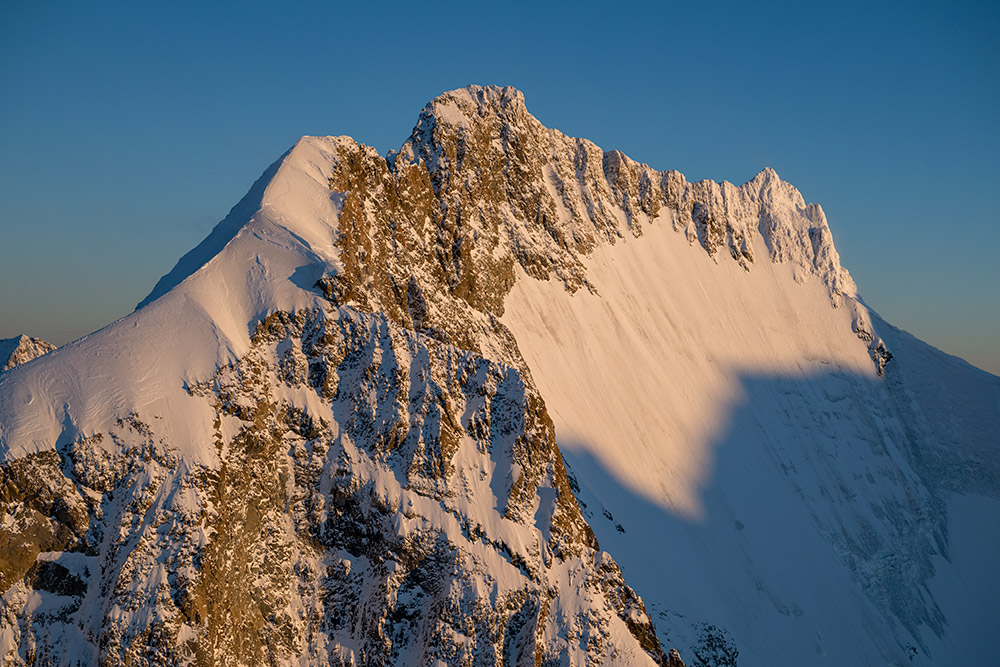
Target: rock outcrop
pixel 21 349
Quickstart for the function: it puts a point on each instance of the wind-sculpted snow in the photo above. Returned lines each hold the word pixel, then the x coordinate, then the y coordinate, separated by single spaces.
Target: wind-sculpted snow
pixel 317 440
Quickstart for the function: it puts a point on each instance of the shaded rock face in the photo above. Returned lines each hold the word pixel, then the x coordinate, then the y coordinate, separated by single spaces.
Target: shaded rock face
pixel 386 487
pixel 21 349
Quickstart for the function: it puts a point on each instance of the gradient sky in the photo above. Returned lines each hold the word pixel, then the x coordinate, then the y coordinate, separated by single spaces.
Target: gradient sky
pixel 127 130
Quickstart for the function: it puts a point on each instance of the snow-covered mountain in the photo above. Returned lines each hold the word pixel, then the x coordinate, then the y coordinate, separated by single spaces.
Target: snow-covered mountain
pixel 21 349
pixel 500 398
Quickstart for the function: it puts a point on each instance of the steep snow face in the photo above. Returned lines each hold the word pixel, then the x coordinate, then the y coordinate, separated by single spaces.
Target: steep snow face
pixel 757 478
pixel 21 349
pixel 645 370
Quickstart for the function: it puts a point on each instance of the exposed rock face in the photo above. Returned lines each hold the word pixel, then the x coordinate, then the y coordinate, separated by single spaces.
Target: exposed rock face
pixel 21 349
pixel 374 478
pixel 382 499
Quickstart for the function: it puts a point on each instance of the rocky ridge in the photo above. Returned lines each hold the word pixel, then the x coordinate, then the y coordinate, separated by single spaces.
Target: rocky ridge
pixel 433 232
pixel 21 349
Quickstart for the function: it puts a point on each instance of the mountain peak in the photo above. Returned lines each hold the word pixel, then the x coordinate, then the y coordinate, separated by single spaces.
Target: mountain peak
pixel 765 175
pixel 354 387
pixel 477 100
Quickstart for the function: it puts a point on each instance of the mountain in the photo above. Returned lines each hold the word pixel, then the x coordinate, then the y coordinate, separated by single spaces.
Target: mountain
pixel 21 349
pixel 500 397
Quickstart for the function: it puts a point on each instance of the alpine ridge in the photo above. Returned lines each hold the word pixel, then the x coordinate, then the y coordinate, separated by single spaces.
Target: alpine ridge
pixel 499 397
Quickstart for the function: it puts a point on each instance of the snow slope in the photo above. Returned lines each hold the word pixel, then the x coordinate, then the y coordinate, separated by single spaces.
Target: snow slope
pixel 199 316
pixel 736 449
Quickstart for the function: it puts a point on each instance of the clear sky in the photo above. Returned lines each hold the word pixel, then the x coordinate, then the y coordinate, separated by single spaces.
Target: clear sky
pixel 128 129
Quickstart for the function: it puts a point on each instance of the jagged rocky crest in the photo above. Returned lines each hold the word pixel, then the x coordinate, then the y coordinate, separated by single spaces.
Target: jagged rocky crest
pixel 431 235
pixel 483 185
pixel 380 482
pixel 21 349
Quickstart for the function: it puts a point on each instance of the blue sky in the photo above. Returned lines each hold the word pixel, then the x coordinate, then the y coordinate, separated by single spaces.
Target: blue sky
pixel 127 130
